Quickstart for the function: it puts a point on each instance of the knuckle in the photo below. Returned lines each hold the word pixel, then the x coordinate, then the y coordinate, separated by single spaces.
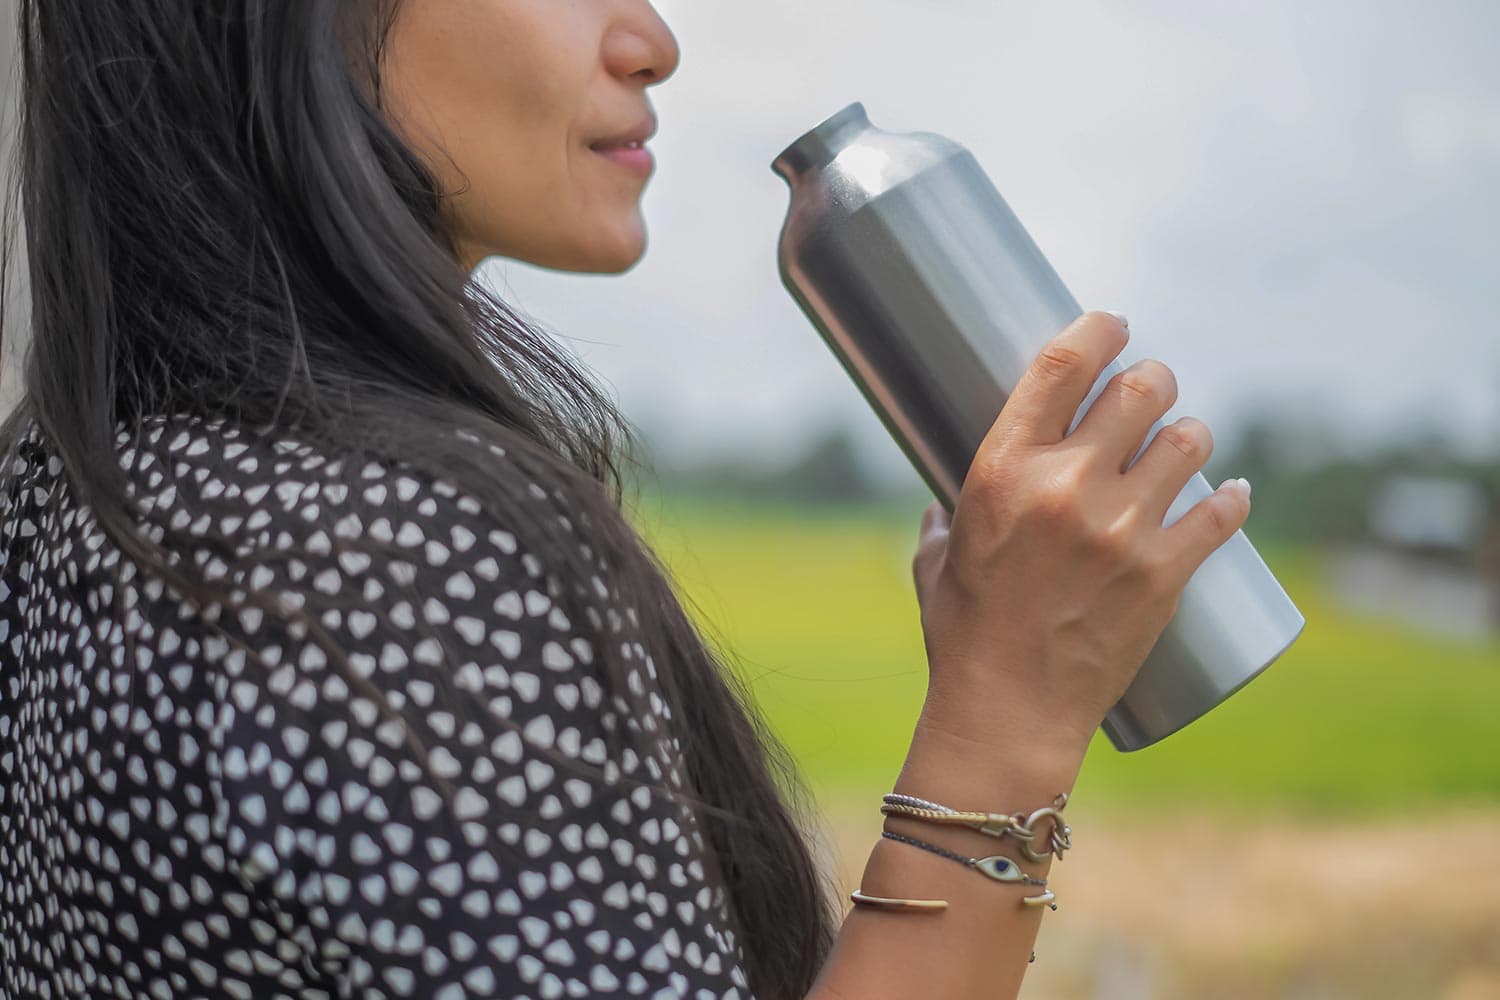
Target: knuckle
pixel 1116 542
pixel 989 473
pixel 1058 360
pixel 1221 518
pixel 1052 509
pixel 1069 479
pixel 1191 437
pixel 1056 501
pixel 1114 538
pixel 1133 385
pixel 1149 384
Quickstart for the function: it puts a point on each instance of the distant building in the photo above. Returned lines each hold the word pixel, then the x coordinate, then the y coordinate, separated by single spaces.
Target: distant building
pixel 1447 518
pixel 1433 553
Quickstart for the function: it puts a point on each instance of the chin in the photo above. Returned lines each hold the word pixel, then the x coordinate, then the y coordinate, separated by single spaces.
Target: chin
pixel 614 266
pixel 618 255
pixel 614 252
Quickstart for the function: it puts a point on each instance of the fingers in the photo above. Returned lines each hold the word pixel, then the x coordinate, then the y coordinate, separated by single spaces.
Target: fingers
pixel 1210 523
pixel 1130 403
pixel 1042 407
pixel 1175 454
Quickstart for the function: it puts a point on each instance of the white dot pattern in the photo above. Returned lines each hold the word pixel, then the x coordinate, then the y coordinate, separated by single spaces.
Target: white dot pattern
pixel 196 803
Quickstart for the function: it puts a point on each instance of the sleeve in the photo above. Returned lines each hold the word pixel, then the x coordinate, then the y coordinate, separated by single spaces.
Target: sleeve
pixel 463 668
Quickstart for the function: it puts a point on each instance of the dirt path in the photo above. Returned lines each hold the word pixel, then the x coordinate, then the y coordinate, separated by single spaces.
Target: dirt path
pixel 1206 908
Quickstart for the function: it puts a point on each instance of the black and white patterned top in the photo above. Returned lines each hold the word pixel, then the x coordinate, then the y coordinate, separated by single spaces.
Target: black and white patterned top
pixel 196 804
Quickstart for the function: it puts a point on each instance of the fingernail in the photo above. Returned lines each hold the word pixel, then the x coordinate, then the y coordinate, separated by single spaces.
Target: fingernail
pixel 1241 485
pixel 1119 316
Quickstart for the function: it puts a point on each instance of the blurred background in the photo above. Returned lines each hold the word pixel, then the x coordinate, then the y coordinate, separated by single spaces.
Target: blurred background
pixel 1298 206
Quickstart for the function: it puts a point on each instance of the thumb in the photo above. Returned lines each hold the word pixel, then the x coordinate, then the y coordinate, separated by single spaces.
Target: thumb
pixel 931 543
pixel 935 520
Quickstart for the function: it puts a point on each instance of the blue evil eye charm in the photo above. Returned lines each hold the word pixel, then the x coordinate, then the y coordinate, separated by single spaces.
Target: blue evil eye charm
pixel 1000 869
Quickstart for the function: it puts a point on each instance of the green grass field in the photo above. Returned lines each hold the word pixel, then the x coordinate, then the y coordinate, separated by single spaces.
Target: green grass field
pixel 816 609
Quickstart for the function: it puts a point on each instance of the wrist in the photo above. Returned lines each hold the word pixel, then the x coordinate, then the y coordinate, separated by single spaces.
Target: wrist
pixel 972 760
pixel 996 720
pixel 969 776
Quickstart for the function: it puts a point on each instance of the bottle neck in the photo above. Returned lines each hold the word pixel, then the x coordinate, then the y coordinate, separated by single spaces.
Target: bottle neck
pixel 818 147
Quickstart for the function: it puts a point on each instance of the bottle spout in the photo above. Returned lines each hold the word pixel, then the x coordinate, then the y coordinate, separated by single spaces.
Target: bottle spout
pixel 820 145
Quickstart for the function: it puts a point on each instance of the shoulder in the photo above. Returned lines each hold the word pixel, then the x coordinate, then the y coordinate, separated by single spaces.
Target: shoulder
pixel 352 537
pixel 267 492
pixel 410 579
pixel 275 478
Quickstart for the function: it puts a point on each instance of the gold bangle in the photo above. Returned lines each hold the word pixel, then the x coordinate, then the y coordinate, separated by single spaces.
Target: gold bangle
pixel 929 905
pixel 908 905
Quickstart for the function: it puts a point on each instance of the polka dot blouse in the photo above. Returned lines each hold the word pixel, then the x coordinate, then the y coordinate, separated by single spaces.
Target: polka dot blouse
pixel 196 803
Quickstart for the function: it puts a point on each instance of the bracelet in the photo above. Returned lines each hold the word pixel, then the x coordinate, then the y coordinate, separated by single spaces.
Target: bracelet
pixel 905 906
pixel 997 867
pixel 1018 825
pixel 888 903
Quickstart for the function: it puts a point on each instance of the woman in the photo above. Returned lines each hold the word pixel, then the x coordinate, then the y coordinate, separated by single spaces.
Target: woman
pixel 328 664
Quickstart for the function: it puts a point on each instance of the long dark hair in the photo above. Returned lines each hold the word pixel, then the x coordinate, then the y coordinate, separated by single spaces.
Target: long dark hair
pixel 221 223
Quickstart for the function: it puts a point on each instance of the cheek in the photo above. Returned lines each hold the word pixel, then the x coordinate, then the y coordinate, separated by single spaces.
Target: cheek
pixel 489 101
pixel 498 103
pixel 525 175
pixel 540 194
pixel 524 185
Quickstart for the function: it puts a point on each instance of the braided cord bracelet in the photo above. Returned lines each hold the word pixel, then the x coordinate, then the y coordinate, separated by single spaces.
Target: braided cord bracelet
pixel 1018 825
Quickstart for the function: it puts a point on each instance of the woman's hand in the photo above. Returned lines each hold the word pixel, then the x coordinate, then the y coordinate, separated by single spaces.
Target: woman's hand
pixel 1042 595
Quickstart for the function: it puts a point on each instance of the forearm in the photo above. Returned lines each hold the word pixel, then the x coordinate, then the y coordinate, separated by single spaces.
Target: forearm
pixel 978 947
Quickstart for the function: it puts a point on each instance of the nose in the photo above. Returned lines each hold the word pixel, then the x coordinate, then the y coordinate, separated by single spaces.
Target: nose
pixel 642 48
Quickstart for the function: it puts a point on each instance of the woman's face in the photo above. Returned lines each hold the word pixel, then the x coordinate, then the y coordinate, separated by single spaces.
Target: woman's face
pixel 514 103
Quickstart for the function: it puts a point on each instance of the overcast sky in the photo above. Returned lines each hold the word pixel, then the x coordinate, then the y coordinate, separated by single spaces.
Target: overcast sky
pixel 1297 204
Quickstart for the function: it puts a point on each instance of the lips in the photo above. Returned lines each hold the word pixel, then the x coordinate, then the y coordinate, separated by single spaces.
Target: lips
pixel 628 148
pixel 636 158
pixel 634 137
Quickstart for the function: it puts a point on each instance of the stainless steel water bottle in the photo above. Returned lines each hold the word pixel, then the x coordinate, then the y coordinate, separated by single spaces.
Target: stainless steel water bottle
pixel 936 300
